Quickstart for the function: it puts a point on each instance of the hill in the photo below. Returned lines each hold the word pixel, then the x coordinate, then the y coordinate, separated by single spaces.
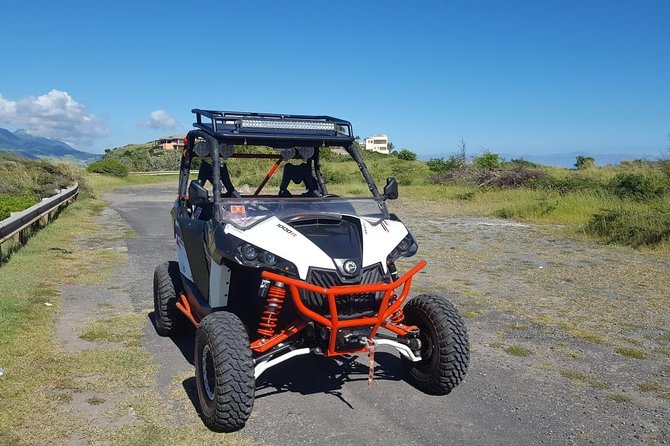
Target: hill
pixel 36 147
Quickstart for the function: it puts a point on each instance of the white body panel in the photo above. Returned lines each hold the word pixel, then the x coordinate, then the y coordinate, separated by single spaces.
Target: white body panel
pixel 379 240
pixel 281 239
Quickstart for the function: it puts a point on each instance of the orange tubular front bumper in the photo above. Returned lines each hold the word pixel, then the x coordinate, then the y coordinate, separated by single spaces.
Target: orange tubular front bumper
pixel 391 302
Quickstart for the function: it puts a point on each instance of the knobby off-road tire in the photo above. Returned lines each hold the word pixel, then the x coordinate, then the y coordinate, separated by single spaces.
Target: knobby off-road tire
pixel 445 349
pixel 224 372
pixel 167 287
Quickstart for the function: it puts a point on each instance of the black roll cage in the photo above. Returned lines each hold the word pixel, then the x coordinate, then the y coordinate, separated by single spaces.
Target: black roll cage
pixel 227 127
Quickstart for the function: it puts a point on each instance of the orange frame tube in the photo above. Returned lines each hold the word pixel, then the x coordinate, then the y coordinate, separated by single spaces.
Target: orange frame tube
pixel 271 172
pixel 386 309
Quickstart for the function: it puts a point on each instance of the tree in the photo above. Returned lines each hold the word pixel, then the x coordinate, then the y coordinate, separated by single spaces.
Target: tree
pixel 406 155
pixel 462 152
pixel 391 147
pixel 585 162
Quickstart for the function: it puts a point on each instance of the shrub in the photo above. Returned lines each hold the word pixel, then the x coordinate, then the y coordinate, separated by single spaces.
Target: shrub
pixel 573 183
pixel 509 178
pixel 637 186
pixel 584 162
pixel 487 161
pixel 406 155
pixel 520 162
pixel 632 227
pixel 439 165
pixel 109 166
pixel 14 203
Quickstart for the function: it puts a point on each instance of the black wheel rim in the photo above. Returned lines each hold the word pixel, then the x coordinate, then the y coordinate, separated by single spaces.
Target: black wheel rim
pixel 208 374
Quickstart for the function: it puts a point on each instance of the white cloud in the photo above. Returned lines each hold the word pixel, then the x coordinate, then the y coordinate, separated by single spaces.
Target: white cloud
pixel 53 115
pixel 159 119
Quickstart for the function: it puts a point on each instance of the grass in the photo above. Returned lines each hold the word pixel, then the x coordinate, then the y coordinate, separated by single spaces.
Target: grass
pixel 516 350
pixel 585 378
pixel 42 380
pixel 472 314
pixel 620 398
pixel 632 352
pixel 125 328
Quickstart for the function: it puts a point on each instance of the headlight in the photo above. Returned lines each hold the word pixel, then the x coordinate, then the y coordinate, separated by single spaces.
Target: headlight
pixel 251 255
pixel 406 248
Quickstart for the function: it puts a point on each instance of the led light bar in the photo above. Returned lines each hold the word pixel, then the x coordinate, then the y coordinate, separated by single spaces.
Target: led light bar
pixel 287 125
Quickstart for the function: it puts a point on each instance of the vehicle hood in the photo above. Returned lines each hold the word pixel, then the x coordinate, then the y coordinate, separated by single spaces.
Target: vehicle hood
pixel 325 243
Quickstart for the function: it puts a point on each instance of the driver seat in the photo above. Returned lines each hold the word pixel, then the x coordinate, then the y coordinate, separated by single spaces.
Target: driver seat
pixel 299 173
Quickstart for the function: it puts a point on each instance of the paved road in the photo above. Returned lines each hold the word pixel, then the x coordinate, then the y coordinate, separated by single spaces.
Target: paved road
pixel 504 400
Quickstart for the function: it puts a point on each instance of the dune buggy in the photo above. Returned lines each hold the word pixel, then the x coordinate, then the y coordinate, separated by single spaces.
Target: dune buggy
pixel 266 277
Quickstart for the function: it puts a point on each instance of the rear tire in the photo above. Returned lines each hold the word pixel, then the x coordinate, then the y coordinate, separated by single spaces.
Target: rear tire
pixel 224 372
pixel 167 288
pixel 445 350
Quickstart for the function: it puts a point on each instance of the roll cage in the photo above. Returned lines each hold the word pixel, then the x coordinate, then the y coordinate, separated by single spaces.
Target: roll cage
pixel 278 131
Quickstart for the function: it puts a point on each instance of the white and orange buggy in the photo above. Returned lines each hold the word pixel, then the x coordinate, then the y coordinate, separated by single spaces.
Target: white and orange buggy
pixel 267 277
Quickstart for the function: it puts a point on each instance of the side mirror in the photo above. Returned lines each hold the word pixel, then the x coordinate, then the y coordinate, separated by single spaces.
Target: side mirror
pixel 391 189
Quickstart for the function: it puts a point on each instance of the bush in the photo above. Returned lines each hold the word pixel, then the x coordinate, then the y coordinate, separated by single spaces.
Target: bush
pixel 109 166
pixel 637 186
pixel 14 203
pixel 406 155
pixel 487 161
pixel 519 176
pixel 585 162
pixel 635 227
pixel 520 162
pixel 573 183
pixel 439 165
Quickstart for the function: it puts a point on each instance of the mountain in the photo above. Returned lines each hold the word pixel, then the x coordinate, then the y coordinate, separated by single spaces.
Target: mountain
pixel 34 147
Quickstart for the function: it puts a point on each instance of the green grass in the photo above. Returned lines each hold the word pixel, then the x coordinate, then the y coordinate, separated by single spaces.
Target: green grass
pixel 620 398
pixel 516 350
pixel 126 329
pixel 15 203
pixel 585 378
pixel 632 352
pixel 41 378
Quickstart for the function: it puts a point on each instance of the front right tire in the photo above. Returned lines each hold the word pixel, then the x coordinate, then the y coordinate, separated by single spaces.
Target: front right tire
pixel 167 288
pixel 224 372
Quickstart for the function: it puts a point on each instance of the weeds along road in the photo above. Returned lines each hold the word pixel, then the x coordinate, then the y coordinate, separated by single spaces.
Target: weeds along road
pixel 570 342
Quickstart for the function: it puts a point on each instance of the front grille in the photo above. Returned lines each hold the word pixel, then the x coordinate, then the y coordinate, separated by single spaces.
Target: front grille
pixel 349 306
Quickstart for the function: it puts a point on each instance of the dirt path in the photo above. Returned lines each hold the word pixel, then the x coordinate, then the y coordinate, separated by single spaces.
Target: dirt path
pixel 570 342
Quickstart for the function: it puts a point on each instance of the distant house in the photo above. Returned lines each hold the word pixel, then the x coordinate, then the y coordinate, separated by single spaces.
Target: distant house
pixel 378 143
pixel 174 142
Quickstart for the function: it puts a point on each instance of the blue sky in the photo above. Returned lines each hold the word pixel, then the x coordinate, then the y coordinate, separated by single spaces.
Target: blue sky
pixel 508 76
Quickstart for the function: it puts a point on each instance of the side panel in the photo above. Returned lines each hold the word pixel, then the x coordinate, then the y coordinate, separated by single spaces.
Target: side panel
pixel 192 235
pixel 182 258
pixel 219 285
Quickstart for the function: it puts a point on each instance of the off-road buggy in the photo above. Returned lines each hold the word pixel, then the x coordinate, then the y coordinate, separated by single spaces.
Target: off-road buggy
pixel 267 277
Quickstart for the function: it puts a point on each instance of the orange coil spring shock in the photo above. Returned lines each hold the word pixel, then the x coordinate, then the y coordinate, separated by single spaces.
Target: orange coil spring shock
pixel 273 306
pixel 398 317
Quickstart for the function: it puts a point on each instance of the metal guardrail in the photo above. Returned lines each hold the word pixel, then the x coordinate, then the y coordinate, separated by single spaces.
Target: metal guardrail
pixel 29 218
pixel 156 173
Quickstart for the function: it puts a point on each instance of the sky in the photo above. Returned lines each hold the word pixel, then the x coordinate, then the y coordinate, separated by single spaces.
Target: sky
pixel 506 76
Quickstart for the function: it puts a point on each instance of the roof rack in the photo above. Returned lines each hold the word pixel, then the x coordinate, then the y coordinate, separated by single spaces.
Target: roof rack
pixel 274 130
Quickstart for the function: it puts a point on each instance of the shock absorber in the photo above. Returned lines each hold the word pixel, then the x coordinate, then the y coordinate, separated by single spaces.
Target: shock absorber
pixel 273 305
pixel 398 317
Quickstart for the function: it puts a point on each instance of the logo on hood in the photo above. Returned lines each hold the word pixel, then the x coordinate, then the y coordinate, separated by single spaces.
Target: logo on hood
pixel 349 267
